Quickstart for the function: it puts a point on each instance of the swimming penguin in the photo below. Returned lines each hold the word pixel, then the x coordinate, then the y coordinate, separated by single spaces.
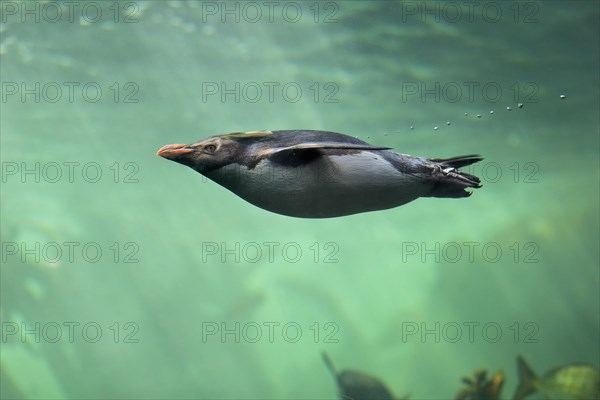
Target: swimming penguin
pixel 318 174
pixel 356 385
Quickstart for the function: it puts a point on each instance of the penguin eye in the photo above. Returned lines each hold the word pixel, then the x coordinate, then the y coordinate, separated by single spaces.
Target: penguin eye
pixel 210 148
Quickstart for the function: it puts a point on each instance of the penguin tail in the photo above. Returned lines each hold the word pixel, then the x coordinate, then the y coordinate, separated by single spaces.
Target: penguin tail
pixel 457 162
pixel 449 181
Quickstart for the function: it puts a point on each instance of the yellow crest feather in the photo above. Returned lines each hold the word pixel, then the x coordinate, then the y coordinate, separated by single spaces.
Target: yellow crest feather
pixel 246 135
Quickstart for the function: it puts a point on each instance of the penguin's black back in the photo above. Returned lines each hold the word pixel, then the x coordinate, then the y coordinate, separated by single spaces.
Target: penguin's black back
pixel 294 137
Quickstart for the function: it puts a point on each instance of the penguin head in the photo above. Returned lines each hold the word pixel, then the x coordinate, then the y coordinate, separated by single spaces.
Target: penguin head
pixel 218 151
pixel 203 156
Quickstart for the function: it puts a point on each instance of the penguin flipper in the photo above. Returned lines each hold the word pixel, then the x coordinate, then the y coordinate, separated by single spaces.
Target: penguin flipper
pixel 322 145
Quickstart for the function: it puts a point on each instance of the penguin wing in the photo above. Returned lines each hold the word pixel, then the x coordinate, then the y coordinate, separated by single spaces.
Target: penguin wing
pixel 322 145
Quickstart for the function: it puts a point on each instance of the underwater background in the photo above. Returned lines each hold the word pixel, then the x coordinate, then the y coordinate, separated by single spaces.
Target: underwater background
pixel 125 276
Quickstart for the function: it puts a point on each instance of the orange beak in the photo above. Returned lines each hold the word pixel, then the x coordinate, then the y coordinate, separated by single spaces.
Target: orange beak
pixel 172 151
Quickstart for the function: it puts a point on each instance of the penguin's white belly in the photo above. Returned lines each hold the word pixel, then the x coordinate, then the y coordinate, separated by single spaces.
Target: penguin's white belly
pixel 328 186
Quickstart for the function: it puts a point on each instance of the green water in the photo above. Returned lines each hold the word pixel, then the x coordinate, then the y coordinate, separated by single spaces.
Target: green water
pixel 390 293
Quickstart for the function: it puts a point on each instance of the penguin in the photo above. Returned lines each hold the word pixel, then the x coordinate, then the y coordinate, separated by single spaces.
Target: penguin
pixel 356 385
pixel 320 174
